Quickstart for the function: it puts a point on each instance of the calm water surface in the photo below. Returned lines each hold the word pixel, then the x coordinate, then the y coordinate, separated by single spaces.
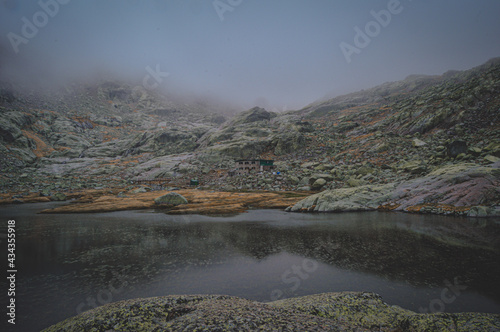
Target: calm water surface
pixel 71 263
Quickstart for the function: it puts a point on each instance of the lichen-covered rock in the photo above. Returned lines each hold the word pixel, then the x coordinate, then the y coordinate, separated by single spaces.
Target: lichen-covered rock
pixel 414 167
pixel 363 198
pixel 459 185
pixel 418 143
pixel 191 313
pixel 58 197
pixel 255 114
pixel 318 184
pixel 346 311
pixel 171 199
pixel 9 132
pixel 353 182
pixel 368 310
pixel 358 310
pixel 491 159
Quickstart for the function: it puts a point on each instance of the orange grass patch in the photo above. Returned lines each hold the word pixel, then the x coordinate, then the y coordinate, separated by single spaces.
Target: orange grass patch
pixel 199 202
pixel 42 149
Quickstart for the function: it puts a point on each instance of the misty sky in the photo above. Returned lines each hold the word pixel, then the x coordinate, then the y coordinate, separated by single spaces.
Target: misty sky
pixel 277 53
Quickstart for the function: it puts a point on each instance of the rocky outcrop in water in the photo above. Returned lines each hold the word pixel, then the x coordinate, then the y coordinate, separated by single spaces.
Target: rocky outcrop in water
pixel 171 199
pixel 453 189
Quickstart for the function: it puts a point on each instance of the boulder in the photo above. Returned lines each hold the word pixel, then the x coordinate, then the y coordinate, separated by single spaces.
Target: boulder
pixel 305 181
pixel 253 115
pixel 418 143
pixel 139 190
pixel 309 164
pixel 475 151
pixel 363 198
pixel 455 148
pixel 414 167
pixel 491 159
pixel 493 149
pixel 325 176
pixel 58 197
pixel 364 170
pixel 9 132
pixel 353 182
pixel 293 180
pixel 324 167
pixel 45 192
pixel 171 199
pixel 318 184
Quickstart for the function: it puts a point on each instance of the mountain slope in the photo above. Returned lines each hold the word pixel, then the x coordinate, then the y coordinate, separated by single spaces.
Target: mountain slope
pixel 93 136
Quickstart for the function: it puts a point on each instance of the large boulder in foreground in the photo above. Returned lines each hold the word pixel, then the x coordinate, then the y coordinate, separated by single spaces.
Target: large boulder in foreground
pixel 171 199
pixel 346 311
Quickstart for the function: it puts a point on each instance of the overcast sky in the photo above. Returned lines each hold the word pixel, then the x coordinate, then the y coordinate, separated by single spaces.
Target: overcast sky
pixel 278 53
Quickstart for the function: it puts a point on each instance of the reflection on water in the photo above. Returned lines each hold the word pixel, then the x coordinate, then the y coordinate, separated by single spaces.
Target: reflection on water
pixel 71 263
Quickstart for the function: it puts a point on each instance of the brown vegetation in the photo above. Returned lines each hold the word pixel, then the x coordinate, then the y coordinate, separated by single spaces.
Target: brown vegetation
pixel 200 202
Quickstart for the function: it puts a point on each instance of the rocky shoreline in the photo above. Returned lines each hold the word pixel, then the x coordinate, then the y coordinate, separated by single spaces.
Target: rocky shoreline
pixel 464 189
pixel 345 311
pixel 461 189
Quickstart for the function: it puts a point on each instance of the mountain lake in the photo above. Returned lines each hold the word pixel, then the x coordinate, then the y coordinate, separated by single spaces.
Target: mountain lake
pixel 70 263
